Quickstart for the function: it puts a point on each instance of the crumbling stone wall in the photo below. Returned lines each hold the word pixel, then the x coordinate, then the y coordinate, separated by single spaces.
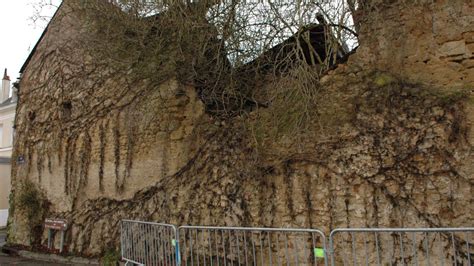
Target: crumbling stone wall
pixel 395 167
pixel 428 42
pixel 433 39
pixel 103 151
pixel 85 131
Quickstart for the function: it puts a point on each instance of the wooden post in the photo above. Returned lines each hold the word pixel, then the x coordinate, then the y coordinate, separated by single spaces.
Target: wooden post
pixel 50 235
pixel 62 242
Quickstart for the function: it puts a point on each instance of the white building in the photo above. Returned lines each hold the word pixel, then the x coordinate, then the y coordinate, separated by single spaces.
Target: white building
pixel 7 117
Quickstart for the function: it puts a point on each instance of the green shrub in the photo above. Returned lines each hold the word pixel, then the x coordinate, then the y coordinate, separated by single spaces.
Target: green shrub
pixel 110 257
pixel 30 201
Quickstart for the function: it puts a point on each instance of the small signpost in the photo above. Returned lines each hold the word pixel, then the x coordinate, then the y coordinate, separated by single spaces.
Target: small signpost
pixel 57 225
pixel 20 159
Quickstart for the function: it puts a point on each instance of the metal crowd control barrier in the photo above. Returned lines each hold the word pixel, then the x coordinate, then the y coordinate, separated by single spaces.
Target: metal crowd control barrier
pixel 206 245
pixel 402 246
pixel 146 243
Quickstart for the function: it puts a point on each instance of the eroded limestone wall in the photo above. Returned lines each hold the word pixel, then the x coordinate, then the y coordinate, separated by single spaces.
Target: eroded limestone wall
pixel 107 150
pixel 86 132
pixel 397 166
pixel 429 42
pixel 425 41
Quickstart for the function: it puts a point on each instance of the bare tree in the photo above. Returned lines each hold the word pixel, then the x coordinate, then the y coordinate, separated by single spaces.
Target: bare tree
pixel 225 49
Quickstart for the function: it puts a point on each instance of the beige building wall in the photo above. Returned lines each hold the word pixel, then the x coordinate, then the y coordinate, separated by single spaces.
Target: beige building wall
pixel 7 117
pixel 5 186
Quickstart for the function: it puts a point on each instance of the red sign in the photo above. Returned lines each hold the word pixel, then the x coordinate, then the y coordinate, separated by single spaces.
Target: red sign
pixel 55 224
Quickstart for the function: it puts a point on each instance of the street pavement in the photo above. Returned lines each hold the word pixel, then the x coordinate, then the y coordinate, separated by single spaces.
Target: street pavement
pixel 9 260
pixel 3 234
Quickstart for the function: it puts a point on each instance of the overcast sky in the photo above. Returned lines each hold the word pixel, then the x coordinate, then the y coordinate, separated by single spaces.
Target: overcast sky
pixel 18 32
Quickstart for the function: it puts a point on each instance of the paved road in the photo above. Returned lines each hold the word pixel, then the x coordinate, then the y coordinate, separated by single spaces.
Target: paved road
pixel 2 237
pixel 7 260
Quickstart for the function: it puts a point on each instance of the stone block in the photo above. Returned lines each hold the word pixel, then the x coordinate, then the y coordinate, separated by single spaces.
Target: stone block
pixel 453 48
pixel 468 63
pixel 469 75
pixel 469 37
pixel 470 48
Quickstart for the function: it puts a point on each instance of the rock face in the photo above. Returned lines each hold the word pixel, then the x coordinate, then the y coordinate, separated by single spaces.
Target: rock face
pixel 102 151
pixel 91 133
pixel 432 39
